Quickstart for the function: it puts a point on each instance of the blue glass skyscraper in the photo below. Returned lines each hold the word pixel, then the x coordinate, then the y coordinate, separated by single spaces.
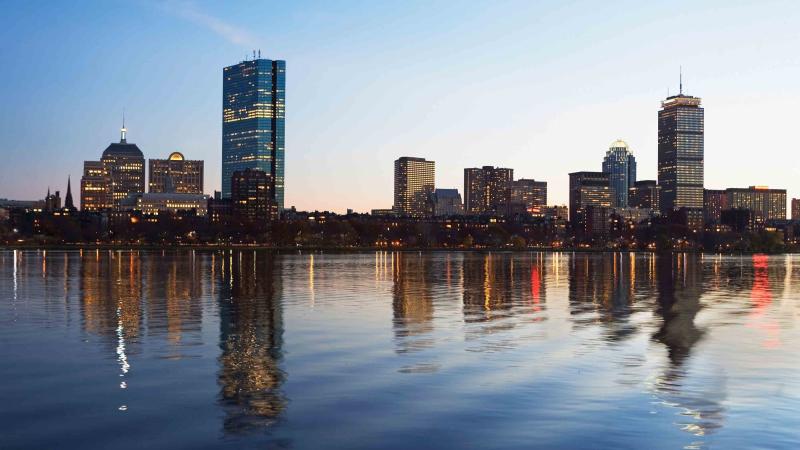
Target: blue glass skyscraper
pixel 253 122
pixel 620 165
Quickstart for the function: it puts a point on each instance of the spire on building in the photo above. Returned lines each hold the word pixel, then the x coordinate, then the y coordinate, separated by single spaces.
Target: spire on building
pixel 68 204
pixel 123 130
pixel 680 79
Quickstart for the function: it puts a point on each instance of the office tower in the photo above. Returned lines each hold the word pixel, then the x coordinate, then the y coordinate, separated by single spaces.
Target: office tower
pixel 680 154
pixel 486 189
pixel 620 165
pixel 69 204
pixel 176 174
pixel 796 209
pixel 587 189
pixel 529 196
pixel 644 194
pixel 413 185
pixel 763 202
pixel 447 202
pixel 95 187
pixel 123 165
pixel 52 202
pixel 714 202
pixel 253 122
pixel 252 198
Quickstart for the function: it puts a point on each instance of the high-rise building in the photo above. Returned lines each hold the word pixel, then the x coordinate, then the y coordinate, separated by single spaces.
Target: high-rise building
pixel 95 187
pixel 176 174
pixel 620 165
pixel 447 202
pixel 529 196
pixel 796 209
pixel 714 202
pixel 587 189
pixel 680 153
pixel 764 203
pixel 253 122
pixel 414 182
pixel 644 194
pixel 251 197
pixel 121 169
pixel 487 189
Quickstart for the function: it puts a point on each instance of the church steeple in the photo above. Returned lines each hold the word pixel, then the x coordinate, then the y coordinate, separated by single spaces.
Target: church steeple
pixel 68 204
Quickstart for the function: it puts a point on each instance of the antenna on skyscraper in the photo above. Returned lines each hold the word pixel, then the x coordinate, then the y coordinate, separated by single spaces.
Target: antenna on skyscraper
pixel 680 79
pixel 254 55
pixel 259 53
pixel 123 130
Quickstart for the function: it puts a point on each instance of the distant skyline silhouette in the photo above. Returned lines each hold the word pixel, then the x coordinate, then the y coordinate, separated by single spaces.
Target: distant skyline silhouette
pixel 541 88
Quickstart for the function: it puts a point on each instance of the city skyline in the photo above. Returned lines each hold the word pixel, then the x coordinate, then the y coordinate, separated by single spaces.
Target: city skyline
pixel 315 164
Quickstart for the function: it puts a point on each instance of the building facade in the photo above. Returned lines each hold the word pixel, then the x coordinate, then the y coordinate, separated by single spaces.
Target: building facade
pixel 487 189
pixel 447 202
pixel 681 153
pixel 588 189
pixel 414 183
pixel 251 197
pixel 796 209
pixel 119 173
pixel 714 202
pixel 176 174
pixel 254 122
pixel 529 196
pixel 763 202
pixel 95 187
pixel 620 165
pixel 155 203
pixel 52 202
pixel 644 194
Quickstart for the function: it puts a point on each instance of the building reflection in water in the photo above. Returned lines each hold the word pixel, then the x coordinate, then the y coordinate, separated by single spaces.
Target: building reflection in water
pixel 251 332
pixel 174 287
pixel 412 301
pixel 680 287
pixel 111 304
pixel 487 288
pixel 602 290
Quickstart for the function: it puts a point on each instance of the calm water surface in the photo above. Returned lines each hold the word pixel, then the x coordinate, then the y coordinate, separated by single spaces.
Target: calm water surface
pixel 244 349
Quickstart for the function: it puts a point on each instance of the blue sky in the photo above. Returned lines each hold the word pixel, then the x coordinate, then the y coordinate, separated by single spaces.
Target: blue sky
pixel 542 87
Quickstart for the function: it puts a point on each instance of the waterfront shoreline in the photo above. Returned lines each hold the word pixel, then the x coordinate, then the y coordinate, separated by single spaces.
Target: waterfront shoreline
pixel 345 250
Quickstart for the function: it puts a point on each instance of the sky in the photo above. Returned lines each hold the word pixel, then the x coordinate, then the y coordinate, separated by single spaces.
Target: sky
pixel 541 87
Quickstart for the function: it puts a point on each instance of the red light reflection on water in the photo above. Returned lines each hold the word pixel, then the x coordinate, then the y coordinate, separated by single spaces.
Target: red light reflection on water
pixel 761 299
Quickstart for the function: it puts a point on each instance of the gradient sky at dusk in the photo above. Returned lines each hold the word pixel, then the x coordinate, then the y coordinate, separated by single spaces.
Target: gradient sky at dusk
pixel 542 87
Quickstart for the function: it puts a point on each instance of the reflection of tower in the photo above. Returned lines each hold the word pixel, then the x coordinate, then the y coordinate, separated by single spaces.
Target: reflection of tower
pixel 679 292
pixel 251 331
pixel 413 303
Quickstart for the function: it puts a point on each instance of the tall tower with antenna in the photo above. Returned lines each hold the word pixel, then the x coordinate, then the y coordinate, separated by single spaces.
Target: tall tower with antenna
pixel 681 149
pixel 253 122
